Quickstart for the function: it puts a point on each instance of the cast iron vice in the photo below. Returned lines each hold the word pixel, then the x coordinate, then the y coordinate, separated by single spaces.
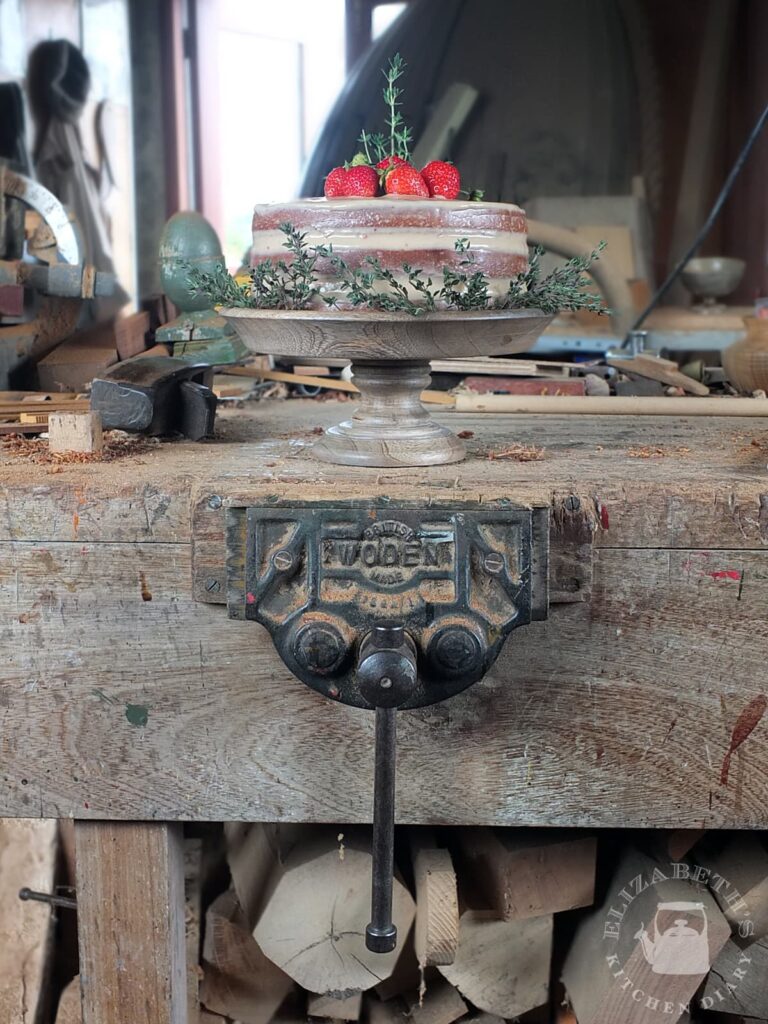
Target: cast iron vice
pixel 388 608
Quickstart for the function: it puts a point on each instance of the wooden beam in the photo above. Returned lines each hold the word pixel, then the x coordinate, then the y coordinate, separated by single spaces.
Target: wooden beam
pixel 437 905
pixel 130 894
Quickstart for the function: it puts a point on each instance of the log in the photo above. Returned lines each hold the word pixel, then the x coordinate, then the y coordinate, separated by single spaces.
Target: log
pixel 738 876
pixel 526 873
pixel 407 975
pixel 27 858
pixel 346 1008
pixel 502 966
pixel 375 1011
pixel 440 1004
pixel 238 980
pixel 313 924
pixel 616 971
pixel 254 853
pixel 738 981
pixel 436 935
pixel 70 1010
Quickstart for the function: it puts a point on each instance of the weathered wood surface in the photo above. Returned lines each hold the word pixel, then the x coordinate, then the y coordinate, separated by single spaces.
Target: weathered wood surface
pixel 123 697
pixel 130 915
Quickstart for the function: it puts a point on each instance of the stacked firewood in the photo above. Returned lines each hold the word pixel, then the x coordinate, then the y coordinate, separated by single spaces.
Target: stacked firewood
pixel 543 926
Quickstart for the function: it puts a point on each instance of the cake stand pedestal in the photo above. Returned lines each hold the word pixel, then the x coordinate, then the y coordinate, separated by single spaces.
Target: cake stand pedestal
pixel 390 355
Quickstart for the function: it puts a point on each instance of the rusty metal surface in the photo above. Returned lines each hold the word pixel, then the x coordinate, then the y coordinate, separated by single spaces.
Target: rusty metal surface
pixel 50 209
pixel 319 578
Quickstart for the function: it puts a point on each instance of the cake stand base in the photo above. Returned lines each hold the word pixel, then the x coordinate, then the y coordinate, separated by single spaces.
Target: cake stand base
pixel 390 427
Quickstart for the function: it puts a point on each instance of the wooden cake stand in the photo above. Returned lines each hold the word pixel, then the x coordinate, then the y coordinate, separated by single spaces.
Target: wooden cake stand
pixel 390 355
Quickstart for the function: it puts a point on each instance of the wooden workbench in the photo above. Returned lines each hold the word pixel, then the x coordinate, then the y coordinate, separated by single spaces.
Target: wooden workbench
pixel 126 695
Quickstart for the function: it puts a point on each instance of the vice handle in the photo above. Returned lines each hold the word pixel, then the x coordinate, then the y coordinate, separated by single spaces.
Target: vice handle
pixel 386 675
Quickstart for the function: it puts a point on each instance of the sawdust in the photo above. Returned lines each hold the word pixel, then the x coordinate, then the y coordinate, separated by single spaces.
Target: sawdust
pixel 655 452
pixel 519 453
pixel 117 445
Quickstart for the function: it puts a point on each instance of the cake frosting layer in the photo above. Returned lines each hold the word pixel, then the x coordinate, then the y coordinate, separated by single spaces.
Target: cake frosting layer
pixel 397 230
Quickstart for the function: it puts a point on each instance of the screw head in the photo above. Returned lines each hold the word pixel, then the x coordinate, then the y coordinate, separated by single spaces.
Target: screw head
pixel 215 502
pixel 572 503
pixel 493 562
pixel 212 585
pixel 282 560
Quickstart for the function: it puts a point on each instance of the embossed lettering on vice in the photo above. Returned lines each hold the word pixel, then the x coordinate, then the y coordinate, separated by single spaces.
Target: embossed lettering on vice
pixel 391 553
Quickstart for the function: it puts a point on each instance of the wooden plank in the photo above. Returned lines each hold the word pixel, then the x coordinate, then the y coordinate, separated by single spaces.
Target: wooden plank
pixel 553 736
pixel 437 905
pixel 27 859
pixel 666 482
pixel 523 874
pixel 130 894
pixel 663 370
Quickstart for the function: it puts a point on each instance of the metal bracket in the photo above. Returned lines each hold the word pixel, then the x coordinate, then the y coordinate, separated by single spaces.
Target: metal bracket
pixel 320 577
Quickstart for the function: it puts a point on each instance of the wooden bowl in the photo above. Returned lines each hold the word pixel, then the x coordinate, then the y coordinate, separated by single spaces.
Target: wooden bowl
pixel 391 336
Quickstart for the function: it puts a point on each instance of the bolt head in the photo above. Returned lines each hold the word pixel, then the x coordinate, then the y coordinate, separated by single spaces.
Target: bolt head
pixel 319 648
pixel 215 502
pixel 494 562
pixel 456 651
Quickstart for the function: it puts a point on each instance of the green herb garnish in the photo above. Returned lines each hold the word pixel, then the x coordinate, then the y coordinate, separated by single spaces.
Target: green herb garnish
pixel 294 285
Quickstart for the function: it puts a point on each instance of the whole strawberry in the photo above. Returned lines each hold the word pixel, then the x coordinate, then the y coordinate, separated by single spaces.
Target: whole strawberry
pixel 360 182
pixel 442 179
pixel 405 180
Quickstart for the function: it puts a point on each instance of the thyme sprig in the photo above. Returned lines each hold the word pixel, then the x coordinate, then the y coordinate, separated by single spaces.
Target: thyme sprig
pixel 464 287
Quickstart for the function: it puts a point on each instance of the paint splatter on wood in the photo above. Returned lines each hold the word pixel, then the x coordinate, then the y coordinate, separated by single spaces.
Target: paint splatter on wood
pixel 146 593
pixel 137 714
pixel 745 725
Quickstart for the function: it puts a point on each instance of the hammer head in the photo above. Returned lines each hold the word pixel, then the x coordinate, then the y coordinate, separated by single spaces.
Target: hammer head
pixel 157 395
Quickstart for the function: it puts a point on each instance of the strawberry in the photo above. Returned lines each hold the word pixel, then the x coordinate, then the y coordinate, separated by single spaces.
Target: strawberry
pixel 361 182
pixel 405 180
pixel 389 161
pixel 442 179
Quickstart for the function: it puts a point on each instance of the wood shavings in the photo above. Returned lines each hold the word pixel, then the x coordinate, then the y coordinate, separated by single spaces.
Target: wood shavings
pixel 651 452
pixel 519 453
pixel 117 445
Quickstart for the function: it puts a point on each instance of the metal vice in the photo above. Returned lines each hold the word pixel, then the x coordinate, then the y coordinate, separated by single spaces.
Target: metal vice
pixel 388 608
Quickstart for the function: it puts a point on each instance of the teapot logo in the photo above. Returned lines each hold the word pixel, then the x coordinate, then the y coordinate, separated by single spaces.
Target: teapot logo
pixel 680 947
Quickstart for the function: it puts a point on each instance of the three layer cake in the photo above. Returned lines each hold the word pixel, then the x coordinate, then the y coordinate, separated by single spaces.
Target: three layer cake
pixel 398 230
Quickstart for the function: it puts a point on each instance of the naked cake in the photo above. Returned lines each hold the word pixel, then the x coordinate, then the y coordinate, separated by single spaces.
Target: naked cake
pixel 397 230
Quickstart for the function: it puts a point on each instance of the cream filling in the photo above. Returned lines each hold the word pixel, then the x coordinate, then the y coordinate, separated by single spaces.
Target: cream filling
pixel 269 243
